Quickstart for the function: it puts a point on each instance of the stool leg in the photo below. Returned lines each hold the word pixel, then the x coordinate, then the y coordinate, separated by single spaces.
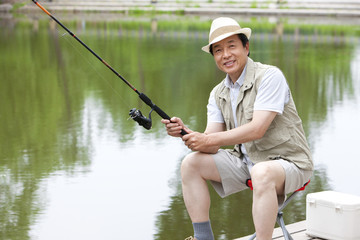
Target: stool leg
pixel 252 237
pixel 281 223
pixel 280 220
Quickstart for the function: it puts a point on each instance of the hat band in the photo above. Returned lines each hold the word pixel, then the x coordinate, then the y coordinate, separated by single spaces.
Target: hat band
pixel 222 30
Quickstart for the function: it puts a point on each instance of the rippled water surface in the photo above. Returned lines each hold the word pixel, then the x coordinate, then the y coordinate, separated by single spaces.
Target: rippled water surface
pixel 73 166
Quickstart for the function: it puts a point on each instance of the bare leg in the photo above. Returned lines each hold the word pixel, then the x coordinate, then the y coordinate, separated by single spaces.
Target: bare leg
pixel 268 180
pixel 196 168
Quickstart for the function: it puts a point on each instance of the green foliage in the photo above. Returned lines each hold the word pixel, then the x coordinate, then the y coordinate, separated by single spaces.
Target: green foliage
pixel 253 4
pixel 18 5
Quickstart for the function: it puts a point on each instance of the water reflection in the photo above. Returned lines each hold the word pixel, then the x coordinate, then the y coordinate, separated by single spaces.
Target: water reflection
pixel 73 167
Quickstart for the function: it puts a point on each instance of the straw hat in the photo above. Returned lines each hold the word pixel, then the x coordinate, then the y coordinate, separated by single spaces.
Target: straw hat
pixel 222 28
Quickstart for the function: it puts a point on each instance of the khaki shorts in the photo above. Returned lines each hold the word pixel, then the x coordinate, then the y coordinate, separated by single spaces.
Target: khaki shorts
pixel 234 173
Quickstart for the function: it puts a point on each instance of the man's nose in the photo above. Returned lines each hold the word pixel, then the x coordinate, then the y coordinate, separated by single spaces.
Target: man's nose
pixel 227 53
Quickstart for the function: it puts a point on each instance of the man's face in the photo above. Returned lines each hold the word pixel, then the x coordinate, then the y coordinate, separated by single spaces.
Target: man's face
pixel 231 56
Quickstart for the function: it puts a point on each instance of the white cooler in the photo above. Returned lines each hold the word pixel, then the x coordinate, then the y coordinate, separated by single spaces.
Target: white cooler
pixel 333 215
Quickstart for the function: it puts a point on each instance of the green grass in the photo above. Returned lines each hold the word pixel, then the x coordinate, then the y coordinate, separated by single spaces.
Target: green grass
pixel 195 24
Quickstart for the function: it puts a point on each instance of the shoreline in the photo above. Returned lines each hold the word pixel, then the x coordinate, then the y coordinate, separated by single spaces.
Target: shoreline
pixel 332 13
pixel 337 9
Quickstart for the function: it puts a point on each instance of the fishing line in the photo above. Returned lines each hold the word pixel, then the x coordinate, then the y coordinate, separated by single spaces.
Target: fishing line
pixel 135 114
pixel 92 67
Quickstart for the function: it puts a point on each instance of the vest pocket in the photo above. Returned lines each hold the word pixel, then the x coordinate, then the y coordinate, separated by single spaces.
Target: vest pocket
pixel 227 123
pixel 273 137
pixel 248 113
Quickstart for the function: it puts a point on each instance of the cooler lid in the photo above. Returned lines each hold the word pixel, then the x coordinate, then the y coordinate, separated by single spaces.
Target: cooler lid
pixel 334 199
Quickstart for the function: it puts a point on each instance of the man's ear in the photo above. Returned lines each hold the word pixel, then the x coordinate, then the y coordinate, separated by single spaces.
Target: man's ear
pixel 247 46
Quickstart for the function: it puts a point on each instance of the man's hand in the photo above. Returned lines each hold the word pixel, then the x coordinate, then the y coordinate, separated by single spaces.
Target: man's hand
pixel 193 140
pixel 174 126
pixel 200 142
pixel 197 141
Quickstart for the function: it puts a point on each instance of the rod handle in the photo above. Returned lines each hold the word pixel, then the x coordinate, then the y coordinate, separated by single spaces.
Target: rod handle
pixel 158 110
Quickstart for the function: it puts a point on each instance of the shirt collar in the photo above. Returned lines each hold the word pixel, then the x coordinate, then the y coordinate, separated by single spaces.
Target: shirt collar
pixel 239 82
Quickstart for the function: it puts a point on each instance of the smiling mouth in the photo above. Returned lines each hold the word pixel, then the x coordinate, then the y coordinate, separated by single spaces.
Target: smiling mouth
pixel 229 63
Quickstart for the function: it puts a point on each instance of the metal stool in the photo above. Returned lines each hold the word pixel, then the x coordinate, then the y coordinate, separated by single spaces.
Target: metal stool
pixel 279 218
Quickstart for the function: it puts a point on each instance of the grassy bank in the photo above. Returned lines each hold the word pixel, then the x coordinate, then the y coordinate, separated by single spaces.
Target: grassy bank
pixel 196 25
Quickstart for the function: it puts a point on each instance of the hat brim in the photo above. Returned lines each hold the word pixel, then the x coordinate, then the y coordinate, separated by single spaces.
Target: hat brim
pixel 246 31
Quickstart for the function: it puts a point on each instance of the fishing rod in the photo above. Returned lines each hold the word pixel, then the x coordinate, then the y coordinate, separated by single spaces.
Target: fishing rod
pixel 135 114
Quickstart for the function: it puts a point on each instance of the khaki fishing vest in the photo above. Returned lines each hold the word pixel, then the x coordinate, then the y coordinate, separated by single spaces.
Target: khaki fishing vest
pixel 285 137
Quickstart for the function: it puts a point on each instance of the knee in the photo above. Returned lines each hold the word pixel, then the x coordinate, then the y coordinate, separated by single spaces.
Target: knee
pixel 189 163
pixel 261 177
pixel 191 166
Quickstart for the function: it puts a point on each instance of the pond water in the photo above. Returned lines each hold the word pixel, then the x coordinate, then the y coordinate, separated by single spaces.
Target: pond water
pixel 73 166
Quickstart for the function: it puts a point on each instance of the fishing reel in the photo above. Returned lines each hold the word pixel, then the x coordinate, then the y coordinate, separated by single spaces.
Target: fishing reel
pixel 137 116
